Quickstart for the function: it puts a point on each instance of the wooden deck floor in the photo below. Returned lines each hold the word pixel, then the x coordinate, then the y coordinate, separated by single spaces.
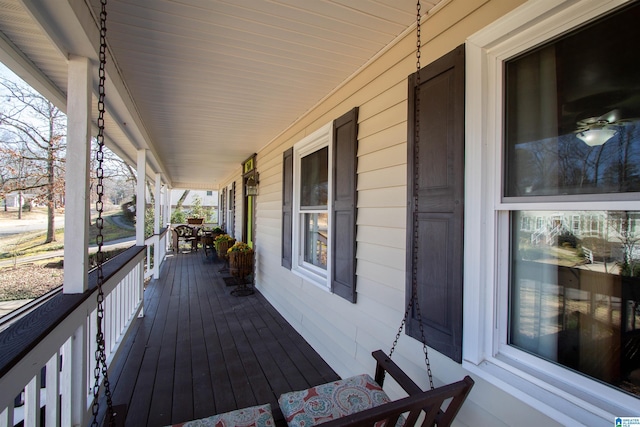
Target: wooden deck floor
pixel 200 351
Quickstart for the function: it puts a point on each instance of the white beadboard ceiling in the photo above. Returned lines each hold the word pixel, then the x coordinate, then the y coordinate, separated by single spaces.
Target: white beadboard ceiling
pixel 203 83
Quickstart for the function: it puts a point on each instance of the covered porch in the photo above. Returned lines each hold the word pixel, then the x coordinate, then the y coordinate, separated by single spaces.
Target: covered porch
pixel 200 351
pixel 305 118
pixel 197 350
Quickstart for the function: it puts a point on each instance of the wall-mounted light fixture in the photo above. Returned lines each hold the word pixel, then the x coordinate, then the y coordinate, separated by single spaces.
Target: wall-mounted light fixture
pixel 252 184
pixel 251 176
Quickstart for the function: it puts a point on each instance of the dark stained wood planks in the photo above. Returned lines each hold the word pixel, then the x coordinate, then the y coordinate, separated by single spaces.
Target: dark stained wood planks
pixel 200 351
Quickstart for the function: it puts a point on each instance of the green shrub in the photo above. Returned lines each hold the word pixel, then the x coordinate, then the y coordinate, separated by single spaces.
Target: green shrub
pixel 178 217
pixel 567 240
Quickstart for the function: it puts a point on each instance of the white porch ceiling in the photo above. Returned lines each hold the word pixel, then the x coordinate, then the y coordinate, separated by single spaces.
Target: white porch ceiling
pixel 202 84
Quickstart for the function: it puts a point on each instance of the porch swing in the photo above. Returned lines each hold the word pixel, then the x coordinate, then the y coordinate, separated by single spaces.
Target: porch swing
pixel 360 400
pixel 355 401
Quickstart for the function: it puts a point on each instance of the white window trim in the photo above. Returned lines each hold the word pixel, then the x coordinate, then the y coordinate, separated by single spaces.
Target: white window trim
pixel 311 143
pixel 565 396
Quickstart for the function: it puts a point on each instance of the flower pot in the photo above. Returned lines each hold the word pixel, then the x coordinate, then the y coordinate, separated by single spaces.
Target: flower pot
pixel 240 263
pixel 222 247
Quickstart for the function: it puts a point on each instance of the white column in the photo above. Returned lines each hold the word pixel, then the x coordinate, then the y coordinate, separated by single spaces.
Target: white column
pixel 168 206
pixel 157 211
pixel 76 217
pixel 140 197
pixel 158 252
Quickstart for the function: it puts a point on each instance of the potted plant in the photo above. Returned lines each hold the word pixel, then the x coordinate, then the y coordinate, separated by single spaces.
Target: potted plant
pixel 222 242
pixel 240 260
pixel 195 221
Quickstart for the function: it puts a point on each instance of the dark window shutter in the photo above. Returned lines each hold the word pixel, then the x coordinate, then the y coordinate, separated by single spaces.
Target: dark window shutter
pixel 232 207
pixel 287 207
pixel 440 209
pixel 343 254
pixel 223 209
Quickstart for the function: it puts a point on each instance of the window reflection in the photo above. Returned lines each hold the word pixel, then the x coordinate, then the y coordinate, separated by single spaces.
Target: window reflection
pixel 315 239
pixel 314 179
pixel 575 291
pixel 572 111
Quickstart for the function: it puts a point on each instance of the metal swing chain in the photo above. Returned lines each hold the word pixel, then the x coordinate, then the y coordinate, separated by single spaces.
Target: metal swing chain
pixel 414 279
pixel 100 353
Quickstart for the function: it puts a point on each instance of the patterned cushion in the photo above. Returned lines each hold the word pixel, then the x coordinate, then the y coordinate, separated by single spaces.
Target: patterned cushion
pixel 255 416
pixel 333 400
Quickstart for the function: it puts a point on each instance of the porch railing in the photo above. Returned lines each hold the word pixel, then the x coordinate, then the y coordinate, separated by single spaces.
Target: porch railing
pixel 156 251
pixel 47 357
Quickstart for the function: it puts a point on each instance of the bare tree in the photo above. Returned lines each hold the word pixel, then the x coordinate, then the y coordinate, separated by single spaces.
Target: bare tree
pixel 116 173
pixel 182 199
pixel 34 133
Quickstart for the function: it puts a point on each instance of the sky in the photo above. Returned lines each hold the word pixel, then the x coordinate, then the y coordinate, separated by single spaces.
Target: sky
pixel 7 73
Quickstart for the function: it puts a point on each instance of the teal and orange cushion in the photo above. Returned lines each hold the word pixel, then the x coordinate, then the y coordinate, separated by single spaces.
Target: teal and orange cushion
pixel 255 416
pixel 331 401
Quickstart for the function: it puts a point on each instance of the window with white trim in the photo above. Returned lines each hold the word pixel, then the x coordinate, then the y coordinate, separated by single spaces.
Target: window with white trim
pixel 312 164
pixel 556 124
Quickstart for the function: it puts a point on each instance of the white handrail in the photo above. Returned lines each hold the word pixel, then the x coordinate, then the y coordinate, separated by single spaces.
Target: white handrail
pixel 66 347
pixel 156 252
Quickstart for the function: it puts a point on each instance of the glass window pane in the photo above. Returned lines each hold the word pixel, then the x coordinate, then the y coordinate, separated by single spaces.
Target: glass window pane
pixel 575 292
pixel 572 111
pixel 315 239
pixel 314 179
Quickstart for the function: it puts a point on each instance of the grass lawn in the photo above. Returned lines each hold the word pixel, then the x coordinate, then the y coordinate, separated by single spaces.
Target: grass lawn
pixel 31 243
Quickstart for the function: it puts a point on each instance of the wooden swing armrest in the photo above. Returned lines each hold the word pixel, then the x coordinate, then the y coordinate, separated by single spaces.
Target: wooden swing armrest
pixel 458 391
pixel 385 364
pixel 428 401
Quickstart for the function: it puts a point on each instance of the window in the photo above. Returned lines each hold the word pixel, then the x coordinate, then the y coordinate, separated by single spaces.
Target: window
pixel 575 225
pixel 572 300
pixel 312 204
pixel 319 206
pixel 559 116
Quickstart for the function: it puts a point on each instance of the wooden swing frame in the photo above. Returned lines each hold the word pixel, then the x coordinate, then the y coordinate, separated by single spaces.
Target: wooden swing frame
pixel 417 402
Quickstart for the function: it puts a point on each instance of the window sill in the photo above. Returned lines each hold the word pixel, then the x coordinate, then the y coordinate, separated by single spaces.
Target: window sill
pixel 312 278
pixel 566 404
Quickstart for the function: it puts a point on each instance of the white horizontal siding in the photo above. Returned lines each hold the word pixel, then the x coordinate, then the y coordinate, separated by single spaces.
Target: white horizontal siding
pixel 344 333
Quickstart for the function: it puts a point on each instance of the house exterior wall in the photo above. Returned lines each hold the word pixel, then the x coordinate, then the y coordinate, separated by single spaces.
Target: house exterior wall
pixel 345 334
pixel 232 207
pixel 211 200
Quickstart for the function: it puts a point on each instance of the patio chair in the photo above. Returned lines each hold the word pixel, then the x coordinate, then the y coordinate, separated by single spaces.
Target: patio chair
pixel 185 234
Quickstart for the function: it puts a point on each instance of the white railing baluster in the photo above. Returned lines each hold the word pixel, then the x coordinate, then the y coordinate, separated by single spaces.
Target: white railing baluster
pixel 91 347
pixel 68 353
pixel 6 417
pixel 107 322
pixel 52 393
pixel 65 382
pixel 129 297
pixel 140 291
pixel 32 402
pixel 80 361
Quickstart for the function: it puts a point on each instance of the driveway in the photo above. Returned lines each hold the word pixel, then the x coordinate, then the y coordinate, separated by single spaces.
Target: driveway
pixel 10 227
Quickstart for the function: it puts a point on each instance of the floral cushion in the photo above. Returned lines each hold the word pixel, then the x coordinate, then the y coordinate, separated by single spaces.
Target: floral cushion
pixel 255 416
pixel 330 401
